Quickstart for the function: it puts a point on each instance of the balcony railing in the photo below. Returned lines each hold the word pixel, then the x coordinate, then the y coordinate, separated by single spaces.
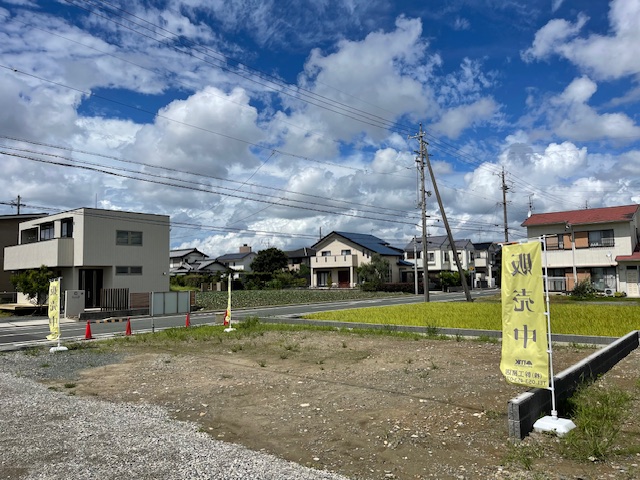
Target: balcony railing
pixel 57 252
pixel 330 261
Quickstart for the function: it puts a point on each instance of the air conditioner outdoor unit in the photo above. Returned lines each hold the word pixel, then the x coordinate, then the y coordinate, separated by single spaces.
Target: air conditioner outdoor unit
pixel 608 292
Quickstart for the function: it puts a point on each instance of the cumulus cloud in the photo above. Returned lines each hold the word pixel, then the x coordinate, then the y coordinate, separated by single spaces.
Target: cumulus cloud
pixel 601 56
pixel 457 119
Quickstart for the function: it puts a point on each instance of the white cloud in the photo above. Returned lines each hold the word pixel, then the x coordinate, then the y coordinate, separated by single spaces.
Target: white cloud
pixel 454 121
pixel 602 56
pixel 203 133
pixel 387 70
pixel 549 39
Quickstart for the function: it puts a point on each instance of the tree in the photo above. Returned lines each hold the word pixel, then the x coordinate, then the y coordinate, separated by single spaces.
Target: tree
pixel 376 272
pixel 33 283
pixel 271 260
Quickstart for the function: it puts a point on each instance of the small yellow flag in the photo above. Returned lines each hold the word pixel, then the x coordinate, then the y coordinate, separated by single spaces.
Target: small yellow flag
pixel 54 309
pixel 525 355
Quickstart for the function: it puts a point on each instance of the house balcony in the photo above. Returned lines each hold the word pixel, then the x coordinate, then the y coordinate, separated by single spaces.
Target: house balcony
pixel 57 252
pixel 481 262
pixel 333 261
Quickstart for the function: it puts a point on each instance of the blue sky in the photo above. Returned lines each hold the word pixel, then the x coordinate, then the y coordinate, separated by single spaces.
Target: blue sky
pixel 268 123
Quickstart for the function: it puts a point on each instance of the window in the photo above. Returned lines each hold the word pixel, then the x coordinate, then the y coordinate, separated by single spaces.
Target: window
pixel 602 278
pixel 66 228
pixel 323 279
pixel 345 252
pixel 431 256
pixel 601 238
pixel 410 256
pixel 121 270
pixel 446 256
pixel 555 242
pixel 126 237
pixel 46 231
pixel 29 236
pixel 326 253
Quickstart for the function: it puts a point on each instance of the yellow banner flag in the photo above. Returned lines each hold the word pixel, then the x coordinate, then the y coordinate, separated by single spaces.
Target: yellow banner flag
pixel 525 356
pixel 54 310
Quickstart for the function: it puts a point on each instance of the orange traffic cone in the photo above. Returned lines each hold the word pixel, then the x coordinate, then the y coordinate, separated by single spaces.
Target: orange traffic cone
pixel 87 332
pixel 187 322
pixel 128 330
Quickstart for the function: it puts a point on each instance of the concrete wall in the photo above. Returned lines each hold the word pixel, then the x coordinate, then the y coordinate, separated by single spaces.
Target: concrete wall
pixel 524 410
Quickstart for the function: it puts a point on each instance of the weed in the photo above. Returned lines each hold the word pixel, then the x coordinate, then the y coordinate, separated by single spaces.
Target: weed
pixel 44 365
pixel 344 344
pixel 292 347
pixel 69 385
pixel 32 351
pixel 409 361
pixel 487 339
pixel 522 454
pixel 321 361
pixel 431 331
pixel 235 348
pixel 249 323
pixel 284 355
pixel 599 413
pixel 433 365
pixel 262 363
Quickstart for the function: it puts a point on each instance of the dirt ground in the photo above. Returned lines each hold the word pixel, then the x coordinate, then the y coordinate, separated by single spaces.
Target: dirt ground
pixel 366 406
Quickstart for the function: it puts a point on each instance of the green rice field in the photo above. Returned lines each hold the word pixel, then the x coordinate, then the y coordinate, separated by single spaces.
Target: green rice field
pixel 606 320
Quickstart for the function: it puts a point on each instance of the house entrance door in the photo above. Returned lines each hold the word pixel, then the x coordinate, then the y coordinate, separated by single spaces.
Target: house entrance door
pixel 344 279
pixel 91 283
pixel 632 282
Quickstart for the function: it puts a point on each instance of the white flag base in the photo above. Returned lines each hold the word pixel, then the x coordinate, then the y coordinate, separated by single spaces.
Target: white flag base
pixel 229 329
pixel 561 426
pixel 58 349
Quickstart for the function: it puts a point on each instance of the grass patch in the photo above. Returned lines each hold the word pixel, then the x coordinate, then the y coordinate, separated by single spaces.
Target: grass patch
pixel 599 414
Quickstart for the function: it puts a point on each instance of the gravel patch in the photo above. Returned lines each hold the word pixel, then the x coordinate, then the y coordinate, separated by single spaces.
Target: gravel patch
pixel 48 434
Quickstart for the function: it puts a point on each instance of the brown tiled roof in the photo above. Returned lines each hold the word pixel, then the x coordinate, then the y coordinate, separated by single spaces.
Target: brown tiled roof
pixel 581 217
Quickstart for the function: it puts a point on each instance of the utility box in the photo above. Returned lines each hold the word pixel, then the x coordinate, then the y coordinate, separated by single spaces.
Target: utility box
pixel 73 303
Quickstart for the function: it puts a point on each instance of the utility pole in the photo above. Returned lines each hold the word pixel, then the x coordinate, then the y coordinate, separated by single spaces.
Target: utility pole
pixel 420 160
pixel 463 278
pixel 17 203
pixel 505 188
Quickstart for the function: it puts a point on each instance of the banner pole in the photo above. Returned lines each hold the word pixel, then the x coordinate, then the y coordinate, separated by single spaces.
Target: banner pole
pixel 554 411
pixel 551 423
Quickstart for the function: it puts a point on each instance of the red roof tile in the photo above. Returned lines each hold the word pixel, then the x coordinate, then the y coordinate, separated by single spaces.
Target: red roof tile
pixel 634 257
pixel 580 217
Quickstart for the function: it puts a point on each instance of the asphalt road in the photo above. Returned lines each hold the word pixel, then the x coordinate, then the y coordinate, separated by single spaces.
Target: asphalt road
pixel 21 332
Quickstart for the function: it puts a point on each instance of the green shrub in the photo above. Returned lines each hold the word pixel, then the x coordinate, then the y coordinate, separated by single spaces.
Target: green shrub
pixel 583 290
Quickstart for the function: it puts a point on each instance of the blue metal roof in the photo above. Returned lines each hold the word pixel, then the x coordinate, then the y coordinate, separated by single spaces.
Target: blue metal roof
pixel 371 243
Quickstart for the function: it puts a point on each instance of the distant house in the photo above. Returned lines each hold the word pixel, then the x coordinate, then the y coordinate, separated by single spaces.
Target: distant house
pixel 241 261
pixel 301 256
pixel 440 256
pixel 486 269
pixel 599 244
pixel 339 254
pixel 180 261
pixel 94 250
pixel 9 233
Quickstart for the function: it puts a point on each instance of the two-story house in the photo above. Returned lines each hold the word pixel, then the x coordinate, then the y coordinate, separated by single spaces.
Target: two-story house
pixel 600 244
pixel 440 256
pixel 339 254
pixel 9 232
pixel 239 262
pixel 486 268
pixel 185 260
pixel 93 249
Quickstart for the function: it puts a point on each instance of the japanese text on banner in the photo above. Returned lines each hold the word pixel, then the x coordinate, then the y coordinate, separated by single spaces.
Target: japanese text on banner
pixel 525 356
pixel 54 310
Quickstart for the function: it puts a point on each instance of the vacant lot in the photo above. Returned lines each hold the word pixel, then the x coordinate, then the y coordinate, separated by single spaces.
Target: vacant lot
pixel 367 406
